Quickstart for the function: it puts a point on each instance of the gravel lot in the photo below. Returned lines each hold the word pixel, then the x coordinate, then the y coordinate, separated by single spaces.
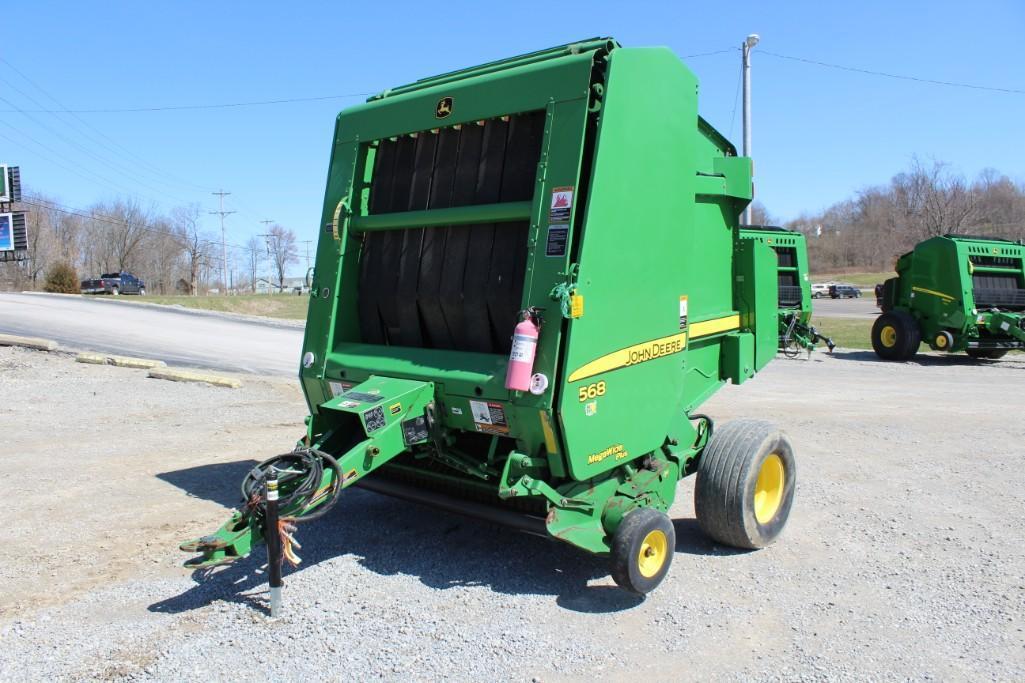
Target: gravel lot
pixel 904 557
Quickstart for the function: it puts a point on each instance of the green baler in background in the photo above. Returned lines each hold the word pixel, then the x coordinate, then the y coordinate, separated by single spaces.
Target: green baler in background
pixel 955 293
pixel 794 289
pixel 575 191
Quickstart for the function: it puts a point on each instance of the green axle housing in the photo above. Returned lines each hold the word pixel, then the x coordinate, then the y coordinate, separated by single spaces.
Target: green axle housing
pixel 579 188
pixel 794 289
pixel 955 293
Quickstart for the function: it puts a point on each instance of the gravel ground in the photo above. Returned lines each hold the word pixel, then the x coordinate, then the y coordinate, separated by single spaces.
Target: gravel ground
pixel 904 557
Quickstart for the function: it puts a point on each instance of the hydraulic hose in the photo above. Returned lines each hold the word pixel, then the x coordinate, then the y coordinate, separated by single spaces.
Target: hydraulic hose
pixel 299 474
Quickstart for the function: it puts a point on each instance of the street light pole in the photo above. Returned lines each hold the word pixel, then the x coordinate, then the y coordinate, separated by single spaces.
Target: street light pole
pixel 746 48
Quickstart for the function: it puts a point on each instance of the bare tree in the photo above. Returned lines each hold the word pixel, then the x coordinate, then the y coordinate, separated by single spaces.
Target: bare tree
pixel 254 257
pixel 281 245
pixel 761 216
pixel 195 245
pixel 934 200
pixel 123 225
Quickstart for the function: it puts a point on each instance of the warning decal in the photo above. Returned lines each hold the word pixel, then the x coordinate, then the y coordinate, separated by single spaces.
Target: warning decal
pixel 683 313
pixel 489 417
pixel 562 203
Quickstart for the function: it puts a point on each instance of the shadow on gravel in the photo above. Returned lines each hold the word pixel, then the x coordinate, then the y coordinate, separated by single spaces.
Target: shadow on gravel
pixel 1013 360
pixel 691 540
pixel 219 483
pixel 390 538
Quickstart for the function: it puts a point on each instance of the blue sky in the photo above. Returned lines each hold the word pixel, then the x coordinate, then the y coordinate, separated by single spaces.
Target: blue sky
pixel 819 134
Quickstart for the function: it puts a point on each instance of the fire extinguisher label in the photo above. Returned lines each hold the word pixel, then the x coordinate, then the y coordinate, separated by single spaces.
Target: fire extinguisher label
pixel 523 348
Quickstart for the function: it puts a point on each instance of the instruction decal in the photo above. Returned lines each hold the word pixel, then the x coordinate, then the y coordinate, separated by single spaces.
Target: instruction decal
pixel 414 431
pixel 489 417
pixel 562 204
pixel 374 419
pixel 683 313
pixel 395 408
pixel 558 236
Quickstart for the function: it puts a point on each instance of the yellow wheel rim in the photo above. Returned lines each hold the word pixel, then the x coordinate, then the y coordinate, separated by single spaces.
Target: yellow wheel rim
pixel 653 553
pixel 769 488
pixel 888 336
pixel 941 341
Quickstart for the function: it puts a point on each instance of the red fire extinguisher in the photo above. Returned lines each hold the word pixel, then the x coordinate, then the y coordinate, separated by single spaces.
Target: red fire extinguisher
pixel 524 348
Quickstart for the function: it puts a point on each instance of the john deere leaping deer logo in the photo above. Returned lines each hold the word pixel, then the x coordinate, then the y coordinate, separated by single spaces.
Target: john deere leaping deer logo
pixel 444 108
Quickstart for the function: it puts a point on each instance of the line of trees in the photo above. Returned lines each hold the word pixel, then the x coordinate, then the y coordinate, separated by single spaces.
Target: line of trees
pixel 171 253
pixel 879 223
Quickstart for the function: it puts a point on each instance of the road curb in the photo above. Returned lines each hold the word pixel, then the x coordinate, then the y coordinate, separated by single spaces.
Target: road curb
pixel 28 342
pixel 119 361
pixel 283 323
pixel 187 376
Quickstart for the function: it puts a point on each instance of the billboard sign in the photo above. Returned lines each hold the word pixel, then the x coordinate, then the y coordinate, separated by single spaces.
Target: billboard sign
pixel 5 191
pixel 6 232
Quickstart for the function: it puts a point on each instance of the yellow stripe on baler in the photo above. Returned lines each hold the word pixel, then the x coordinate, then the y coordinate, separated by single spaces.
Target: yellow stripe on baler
pixel 655 348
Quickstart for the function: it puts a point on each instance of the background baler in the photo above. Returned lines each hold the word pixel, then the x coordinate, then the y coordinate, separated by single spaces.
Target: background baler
pixel 794 290
pixel 955 293
pixel 573 196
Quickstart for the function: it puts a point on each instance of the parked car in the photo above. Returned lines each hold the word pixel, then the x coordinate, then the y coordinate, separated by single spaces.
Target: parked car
pixel 115 284
pixel 844 292
pixel 820 289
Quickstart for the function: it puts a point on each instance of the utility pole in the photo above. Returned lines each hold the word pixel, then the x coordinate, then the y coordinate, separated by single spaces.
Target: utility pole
pixel 266 240
pixel 224 242
pixel 746 48
pixel 307 243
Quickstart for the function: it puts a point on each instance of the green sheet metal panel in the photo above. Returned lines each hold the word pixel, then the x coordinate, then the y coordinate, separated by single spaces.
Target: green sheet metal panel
pixel 643 248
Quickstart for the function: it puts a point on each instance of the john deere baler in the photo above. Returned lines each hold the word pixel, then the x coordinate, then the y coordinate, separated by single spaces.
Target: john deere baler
pixel 955 293
pixel 794 291
pixel 527 282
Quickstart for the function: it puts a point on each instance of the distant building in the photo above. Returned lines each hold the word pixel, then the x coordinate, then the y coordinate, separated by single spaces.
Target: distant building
pixel 292 285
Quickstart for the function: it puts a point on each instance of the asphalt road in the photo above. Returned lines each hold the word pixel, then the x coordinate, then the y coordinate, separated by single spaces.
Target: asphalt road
pixel 178 337
pixel 865 307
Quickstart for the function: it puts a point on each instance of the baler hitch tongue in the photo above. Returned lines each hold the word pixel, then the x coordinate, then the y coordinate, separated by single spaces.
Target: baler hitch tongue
pixel 309 482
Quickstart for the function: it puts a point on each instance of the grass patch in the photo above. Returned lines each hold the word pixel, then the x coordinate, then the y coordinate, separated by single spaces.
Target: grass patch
pixel 287 306
pixel 849 333
pixel 859 279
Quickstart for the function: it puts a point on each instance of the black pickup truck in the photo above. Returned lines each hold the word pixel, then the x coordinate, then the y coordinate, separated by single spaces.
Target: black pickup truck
pixel 114 283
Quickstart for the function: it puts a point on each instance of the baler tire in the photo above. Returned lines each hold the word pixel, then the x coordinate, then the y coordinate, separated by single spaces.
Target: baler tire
pixel 906 336
pixel 733 504
pixel 644 530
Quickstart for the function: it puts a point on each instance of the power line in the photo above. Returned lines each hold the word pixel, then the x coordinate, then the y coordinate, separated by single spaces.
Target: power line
pixel 85 127
pixel 709 54
pixel 917 79
pixel 182 107
pixel 111 220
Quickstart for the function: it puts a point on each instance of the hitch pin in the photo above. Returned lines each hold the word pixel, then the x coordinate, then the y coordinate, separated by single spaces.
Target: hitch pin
pixel 273 540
